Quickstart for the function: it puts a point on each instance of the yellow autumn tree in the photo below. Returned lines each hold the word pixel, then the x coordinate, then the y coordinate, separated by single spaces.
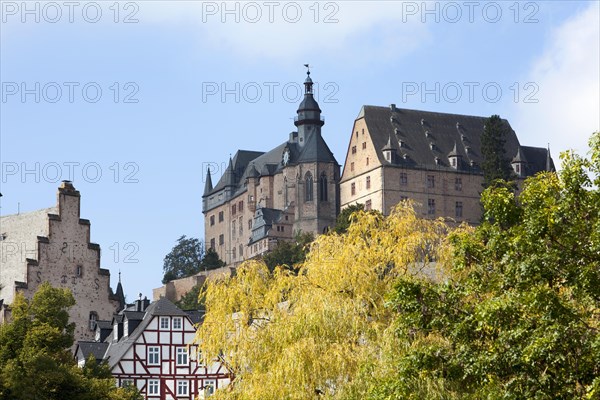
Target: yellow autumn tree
pixel 310 335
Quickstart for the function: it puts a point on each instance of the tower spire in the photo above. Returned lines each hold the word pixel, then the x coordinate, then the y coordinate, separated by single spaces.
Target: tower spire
pixel 208 186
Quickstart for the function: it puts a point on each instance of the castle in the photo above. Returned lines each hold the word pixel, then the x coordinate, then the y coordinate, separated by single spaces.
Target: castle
pixel 265 197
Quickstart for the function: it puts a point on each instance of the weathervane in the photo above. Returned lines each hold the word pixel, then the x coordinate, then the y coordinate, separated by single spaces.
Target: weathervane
pixel 307 69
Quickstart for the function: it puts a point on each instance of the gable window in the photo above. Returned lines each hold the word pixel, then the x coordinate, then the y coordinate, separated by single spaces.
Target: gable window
pixel 153 355
pixel 182 356
pixel 364 145
pixel 403 179
pixel 430 181
pixel 308 187
pixel 431 206
pixel 458 184
pixel 164 323
pixel 177 323
pixel 153 386
pixel 209 386
pixel 323 187
pixel 126 382
pixel 93 319
pixel 353 149
pixel 182 388
pixel 367 161
pixel 368 182
pixel 353 189
pixel 351 166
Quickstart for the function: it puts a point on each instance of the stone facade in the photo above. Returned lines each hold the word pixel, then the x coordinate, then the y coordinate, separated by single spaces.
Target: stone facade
pixel 53 245
pixel 431 158
pixel 263 198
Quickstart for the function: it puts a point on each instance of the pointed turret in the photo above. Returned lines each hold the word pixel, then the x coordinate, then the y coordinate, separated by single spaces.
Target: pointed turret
pixel 518 163
pixel 208 186
pixel 549 163
pixel 120 295
pixel 454 157
pixel 229 174
pixel 309 119
pixel 389 152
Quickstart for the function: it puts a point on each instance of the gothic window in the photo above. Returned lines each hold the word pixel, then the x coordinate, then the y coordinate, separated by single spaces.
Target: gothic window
pixel 323 187
pixel 308 187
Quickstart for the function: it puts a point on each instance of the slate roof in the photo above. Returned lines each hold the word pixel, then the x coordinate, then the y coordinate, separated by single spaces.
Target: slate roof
pixel 429 135
pixel 116 350
pixel 98 349
pixel 263 222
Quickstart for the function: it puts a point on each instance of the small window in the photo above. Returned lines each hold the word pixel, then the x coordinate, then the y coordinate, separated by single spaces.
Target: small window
pixel 177 323
pixel 233 209
pixel 403 179
pixel 79 271
pixel 368 182
pixel 357 134
pixel 182 356
pixel 351 166
pixel 368 205
pixel 241 205
pixel 364 145
pixel 241 225
pixel 221 216
pixel 458 184
pixel 367 161
pixel 233 255
pixel 458 210
pixel 212 220
pixel 233 229
pixel 153 355
pixel 164 323
pixel 353 149
pixel 431 206
pixel 241 251
pixel 430 181
pixel 353 189
pixel 209 387
pixel 212 243
pixel 249 224
pixel 221 239
pixel 153 387
pixel 182 388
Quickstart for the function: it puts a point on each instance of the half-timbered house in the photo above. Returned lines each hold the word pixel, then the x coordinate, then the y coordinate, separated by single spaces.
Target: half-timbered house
pixel 151 348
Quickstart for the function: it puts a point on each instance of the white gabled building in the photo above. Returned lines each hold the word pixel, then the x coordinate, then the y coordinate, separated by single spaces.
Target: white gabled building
pixel 150 346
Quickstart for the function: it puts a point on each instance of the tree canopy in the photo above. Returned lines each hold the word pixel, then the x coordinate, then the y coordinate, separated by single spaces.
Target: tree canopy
pixel 183 260
pixel 296 336
pixel 35 356
pixel 511 310
pixel 289 254
pixel 495 165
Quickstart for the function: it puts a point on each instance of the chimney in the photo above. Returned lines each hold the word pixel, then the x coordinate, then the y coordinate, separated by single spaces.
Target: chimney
pixel 393 107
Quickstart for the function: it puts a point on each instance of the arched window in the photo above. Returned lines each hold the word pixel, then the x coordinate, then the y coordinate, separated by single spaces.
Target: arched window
pixel 323 187
pixel 308 187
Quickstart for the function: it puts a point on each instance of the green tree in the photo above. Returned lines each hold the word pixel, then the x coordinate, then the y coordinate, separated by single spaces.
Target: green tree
pixel 183 260
pixel 344 219
pixel 192 300
pixel 35 357
pixel 518 315
pixel 289 254
pixel 495 163
pixel 211 260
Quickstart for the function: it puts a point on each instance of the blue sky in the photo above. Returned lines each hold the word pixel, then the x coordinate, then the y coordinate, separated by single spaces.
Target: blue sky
pixel 132 100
